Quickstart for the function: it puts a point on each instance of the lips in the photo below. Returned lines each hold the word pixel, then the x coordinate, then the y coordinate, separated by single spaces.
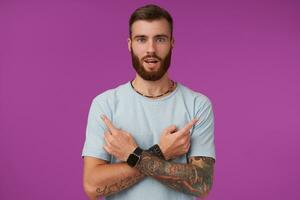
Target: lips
pixel 151 64
pixel 151 61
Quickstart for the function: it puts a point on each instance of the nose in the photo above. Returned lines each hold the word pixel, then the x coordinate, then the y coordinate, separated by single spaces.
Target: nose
pixel 151 47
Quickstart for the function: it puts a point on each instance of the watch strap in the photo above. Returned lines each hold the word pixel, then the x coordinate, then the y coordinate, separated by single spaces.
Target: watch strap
pixel 155 150
pixel 138 151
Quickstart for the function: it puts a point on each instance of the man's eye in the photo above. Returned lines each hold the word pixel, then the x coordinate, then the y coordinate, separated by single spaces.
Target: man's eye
pixel 141 40
pixel 161 39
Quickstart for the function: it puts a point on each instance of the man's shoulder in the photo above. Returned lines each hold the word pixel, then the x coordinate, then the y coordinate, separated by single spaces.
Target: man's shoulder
pixel 112 93
pixel 196 96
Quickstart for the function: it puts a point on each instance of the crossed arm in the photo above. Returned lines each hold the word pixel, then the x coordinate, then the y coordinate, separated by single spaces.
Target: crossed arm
pixel 102 179
pixel 194 178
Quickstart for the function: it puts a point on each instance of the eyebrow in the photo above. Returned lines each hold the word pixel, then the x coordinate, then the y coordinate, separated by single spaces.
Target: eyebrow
pixel 156 36
pixel 162 35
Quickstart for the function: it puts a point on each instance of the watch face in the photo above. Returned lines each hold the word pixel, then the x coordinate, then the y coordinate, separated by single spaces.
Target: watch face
pixel 132 160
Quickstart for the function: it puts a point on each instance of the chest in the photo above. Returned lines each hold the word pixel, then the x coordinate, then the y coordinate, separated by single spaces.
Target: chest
pixel 145 121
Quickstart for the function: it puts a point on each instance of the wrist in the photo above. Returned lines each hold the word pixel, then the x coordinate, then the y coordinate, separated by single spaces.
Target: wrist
pixel 134 158
pixel 156 151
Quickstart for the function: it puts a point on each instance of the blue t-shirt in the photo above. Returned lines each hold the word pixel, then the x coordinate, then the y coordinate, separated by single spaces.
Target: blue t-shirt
pixel 145 118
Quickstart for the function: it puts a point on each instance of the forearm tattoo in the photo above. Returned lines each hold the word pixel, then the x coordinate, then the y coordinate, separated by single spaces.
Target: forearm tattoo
pixel 194 178
pixel 122 184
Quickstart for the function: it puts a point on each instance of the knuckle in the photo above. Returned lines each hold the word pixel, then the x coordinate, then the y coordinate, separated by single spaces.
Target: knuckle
pixel 186 145
pixel 127 134
pixel 165 131
pixel 186 149
pixel 109 140
pixel 108 145
pixel 182 141
pixel 107 149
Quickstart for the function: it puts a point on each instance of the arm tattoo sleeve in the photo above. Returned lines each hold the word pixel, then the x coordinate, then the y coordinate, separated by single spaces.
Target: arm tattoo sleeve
pixel 194 178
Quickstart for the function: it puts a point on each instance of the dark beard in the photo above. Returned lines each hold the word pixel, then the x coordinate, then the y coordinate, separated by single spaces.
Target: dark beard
pixel 151 76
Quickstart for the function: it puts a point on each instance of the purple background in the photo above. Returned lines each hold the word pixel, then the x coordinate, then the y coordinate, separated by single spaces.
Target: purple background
pixel 56 56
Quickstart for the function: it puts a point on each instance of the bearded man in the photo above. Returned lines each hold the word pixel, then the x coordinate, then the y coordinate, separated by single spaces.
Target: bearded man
pixel 152 137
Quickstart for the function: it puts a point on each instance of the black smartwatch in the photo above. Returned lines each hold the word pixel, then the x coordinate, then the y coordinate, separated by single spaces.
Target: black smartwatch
pixel 155 150
pixel 134 158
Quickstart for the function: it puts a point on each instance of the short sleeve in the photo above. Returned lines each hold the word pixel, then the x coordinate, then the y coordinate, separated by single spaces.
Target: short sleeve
pixel 94 141
pixel 202 135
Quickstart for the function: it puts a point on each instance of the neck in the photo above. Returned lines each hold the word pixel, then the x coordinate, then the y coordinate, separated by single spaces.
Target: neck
pixel 152 88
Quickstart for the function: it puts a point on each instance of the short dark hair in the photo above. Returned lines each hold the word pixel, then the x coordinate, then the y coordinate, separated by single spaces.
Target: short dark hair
pixel 150 12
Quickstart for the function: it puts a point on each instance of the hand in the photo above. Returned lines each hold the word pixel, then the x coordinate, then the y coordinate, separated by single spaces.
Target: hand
pixel 119 143
pixel 175 143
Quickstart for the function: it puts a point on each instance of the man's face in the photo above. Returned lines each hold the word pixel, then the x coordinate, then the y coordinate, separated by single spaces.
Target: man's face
pixel 151 48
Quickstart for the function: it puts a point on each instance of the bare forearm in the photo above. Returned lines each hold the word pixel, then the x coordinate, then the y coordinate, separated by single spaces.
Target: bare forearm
pixel 187 178
pixel 108 179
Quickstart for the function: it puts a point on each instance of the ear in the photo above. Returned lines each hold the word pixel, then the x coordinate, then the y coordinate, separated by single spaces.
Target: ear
pixel 129 44
pixel 172 42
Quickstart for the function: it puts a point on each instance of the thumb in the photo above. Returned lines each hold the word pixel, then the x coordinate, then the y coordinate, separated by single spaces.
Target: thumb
pixel 171 129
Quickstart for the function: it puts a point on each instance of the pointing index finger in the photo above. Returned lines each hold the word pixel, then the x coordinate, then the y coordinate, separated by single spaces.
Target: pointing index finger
pixel 108 123
pixel 189 125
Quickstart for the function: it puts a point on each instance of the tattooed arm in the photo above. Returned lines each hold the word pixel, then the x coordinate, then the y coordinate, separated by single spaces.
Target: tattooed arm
pixel 101 179
pixel 194 178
